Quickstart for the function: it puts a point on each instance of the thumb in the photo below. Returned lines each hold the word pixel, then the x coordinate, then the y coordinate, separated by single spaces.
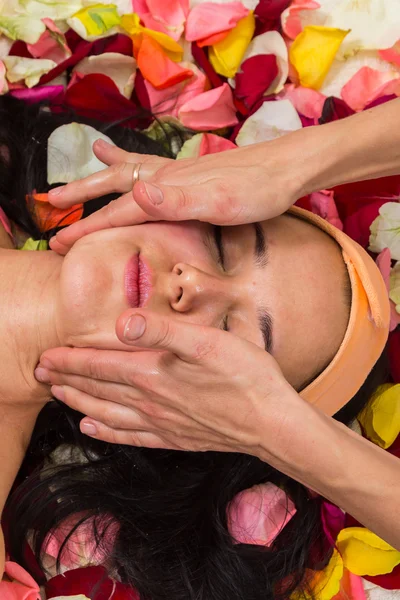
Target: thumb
pixel 192 343
pixel 183 203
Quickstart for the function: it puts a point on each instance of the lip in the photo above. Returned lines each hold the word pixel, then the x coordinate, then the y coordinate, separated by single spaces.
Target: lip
pixel 137 281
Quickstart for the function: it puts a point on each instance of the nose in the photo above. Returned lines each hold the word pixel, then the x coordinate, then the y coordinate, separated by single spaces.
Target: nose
pixel 190 288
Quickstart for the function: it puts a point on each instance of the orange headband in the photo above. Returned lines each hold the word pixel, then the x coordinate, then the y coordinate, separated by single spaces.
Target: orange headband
pixel 367 330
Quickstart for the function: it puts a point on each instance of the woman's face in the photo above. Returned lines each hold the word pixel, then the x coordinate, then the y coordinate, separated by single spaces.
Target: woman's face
pixel 284 273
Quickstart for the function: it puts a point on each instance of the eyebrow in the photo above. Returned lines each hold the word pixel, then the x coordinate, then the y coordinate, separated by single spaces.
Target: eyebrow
pixel 261 261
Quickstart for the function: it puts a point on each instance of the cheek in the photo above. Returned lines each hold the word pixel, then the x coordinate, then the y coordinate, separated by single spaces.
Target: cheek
pixel 91 294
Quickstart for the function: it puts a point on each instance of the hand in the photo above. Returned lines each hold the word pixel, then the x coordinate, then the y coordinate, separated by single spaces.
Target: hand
pixel 213 188
pixel 187 387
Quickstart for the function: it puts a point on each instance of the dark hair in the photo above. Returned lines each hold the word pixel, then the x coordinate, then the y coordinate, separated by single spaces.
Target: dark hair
pixel 173 541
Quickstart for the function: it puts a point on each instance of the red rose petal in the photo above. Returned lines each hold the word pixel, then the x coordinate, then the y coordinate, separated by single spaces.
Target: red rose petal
pixel 357 225
pixel 254 78
pixel 394 358
pixel 271 9
pixel 20 48
pixel 96 96
pixel 200 57
pixel 92 582
pixel 350 197
pixel 334 109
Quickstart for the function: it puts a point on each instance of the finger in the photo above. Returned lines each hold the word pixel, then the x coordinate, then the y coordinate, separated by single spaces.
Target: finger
pixel 104 365
pixel 112 414
pixel 119 213
pixel 143 439
pixel 110 154
pixel 118 178
pixel 190 342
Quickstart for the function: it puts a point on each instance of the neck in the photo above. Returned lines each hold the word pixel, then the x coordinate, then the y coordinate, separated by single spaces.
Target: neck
pixel 28 298
pixel 28 288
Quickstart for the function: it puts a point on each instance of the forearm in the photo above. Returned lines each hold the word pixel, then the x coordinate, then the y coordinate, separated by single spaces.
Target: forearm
pixel 347 469
pixel 363 146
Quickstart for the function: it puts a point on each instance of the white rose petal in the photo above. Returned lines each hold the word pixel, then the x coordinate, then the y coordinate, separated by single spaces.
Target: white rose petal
pixel 120 68
pixel 27 29
pixel 5 46
pixel 29 70
pixel 124 7
pixel 191 148
pixel 271 42
pixel 70 155
pixel 385 230
pixel 250 4
pixel 394 290
pixel 63 9
pixel 270 121
pixel 3 80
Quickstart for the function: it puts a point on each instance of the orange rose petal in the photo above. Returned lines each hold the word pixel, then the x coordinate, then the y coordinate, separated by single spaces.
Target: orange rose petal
pixel 213 39
pixel 48 216
pixel 157 68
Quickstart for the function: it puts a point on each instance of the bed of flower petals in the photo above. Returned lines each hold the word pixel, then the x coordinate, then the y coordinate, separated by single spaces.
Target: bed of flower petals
pixel 228 73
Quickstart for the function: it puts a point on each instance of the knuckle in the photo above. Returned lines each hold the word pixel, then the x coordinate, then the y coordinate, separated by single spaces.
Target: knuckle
pixel 204 350
pixel 109 417
pixel 119 168
pixel 183 199
pixel 93 368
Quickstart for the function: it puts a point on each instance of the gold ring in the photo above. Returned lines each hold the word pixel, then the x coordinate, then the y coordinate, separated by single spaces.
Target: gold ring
pixel 135 176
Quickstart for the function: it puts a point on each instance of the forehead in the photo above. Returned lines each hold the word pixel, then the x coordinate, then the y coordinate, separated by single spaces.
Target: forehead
pixel 303 288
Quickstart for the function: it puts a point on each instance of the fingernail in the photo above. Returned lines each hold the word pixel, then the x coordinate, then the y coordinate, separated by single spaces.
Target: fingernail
pixel 154 193
pixel 58 392
pixel 88 428
pixel 42 375
pixel 103 143
pixel 134 328
pixel 56 191
pixel 46 363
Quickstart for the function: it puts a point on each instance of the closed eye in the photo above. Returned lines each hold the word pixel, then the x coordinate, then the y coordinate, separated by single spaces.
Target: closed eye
pixel 218 242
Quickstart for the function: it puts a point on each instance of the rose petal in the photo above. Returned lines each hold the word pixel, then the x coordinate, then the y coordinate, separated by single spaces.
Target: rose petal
pixel 48 216
pixel 334 109
pixel 291 23
pixel 364 553
pixel 257 515
pixel 324 584
pixel 380 418
pixel 383 262
pixel 29 70
pixel 271 42
pixel 323 204
pixel 392 54
pixel 167 17
pixel 394 293
pixel 209 18
pixel 21 27
pixel 131 24
pixel 351 586
pixel 21 587
pixel 118 67
pixel 226 55
pixel 313 51
pixel 210 110
pixel 333 520
pixel 368 84
pixel 256 75
pixel 269 10
pixel 385 230
pixel 168 101
pixel 84 581
pixel 157 67
pixel 394 355
pixel 51 10
pixel 204 143
pixel 80 597
pixel 3 80
pixel 70 155
pixel 95 21
pixel 43 93
pixel 271 120
pixel 51 44
pixel 307 102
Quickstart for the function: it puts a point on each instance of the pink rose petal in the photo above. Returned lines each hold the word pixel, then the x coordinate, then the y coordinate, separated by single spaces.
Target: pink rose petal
pixel 351 587
pixel 384 262
pixel 323 204
pixel 333 520
pixel 171 99
pixel 209 18
pixel 254 78
pixel 211 144
pixel 367 85
pixel 42 93
pixel 307 102
pixel 51 44
pixel 257 515
pixel 167 17
pixel 392 54
pixel 21 587
pixel 291 23
pixel 210 110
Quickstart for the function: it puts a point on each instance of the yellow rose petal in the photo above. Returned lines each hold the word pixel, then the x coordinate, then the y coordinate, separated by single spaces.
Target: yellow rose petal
pixel 32 244
pixel 381 416
pixel 313 51
pixel 323 584
pixel 97 19
pixel 226 55
pixel 364 553
pixel 131 24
